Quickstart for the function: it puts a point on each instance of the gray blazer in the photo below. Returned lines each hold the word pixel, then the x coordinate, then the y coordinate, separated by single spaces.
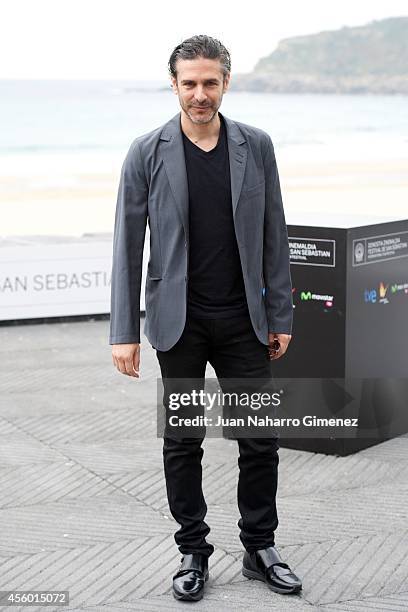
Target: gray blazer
pixel 153 188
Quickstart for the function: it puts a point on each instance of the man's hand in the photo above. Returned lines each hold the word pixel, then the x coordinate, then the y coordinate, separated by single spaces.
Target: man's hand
pixel 278 343
pixel 126 358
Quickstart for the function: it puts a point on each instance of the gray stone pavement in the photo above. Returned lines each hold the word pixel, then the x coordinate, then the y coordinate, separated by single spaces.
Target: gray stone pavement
pixel 83 504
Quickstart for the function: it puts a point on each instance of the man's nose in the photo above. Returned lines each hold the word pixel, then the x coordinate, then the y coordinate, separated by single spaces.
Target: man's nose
pixel 199 94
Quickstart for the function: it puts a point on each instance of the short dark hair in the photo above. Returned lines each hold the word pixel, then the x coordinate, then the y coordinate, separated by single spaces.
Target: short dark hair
pixel 200 45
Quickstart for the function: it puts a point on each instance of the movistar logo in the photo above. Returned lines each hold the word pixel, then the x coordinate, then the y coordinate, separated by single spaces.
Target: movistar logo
pixel 399 287
pixel 305 296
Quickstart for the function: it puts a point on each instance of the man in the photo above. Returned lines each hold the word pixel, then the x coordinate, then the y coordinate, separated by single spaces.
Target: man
pixel 218 290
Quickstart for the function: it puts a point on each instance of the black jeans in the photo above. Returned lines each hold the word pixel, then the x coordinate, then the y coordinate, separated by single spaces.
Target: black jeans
pixel 233 349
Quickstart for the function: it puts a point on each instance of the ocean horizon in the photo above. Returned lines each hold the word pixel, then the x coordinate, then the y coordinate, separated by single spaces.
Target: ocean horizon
pixel 62 145
pixel 51 116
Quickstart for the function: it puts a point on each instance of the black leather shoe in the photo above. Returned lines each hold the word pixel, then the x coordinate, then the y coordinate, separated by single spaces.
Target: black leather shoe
pixel 267 565
pixel 188 583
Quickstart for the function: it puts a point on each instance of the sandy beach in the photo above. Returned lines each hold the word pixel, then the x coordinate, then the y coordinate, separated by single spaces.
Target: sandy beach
pixel 76 198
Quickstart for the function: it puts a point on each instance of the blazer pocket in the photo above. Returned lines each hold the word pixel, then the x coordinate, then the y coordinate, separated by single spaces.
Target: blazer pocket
pixel 154 266
pixel 253 188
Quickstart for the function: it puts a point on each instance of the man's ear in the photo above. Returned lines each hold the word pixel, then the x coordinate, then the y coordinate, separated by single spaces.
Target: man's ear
pixel 173 84
pixel 226 82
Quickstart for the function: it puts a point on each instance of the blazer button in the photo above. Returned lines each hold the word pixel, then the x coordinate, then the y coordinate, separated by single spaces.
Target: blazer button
pixel 185 278
pixel 185 245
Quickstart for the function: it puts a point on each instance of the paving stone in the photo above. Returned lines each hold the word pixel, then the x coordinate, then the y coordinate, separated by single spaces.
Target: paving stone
pixel 76 400
pixel 332 514
pixel 56 377
pixel 97 574
pixel 392 603
pixel 122 570
pixel 228 600
pixel 327 516
pixel 355 568
pixel 147 486
pixel 392 451
pixel 75 522
pixel 32 484
pixel 112 457
pixel 20 449
pixel 316 472
pixel 7 428
pixel 89 427
pixel 220 451
pixel 83 503
pixel 40 336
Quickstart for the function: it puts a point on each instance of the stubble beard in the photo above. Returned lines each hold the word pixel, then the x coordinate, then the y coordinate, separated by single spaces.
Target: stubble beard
pixel 200 120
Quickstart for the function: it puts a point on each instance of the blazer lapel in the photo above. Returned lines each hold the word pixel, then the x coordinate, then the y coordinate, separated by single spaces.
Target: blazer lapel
pixel 237 158
pixel 175 165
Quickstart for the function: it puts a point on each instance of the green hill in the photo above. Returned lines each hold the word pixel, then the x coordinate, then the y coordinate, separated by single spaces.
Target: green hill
pixel 367 59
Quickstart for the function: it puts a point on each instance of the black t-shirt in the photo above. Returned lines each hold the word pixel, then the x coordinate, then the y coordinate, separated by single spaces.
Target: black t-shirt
pixel 215 282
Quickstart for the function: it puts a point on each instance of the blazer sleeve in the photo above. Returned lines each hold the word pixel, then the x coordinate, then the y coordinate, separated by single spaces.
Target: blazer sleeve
pixel 128 243
pixel 276 262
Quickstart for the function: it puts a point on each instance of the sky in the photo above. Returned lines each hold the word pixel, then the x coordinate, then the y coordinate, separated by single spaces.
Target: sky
pixel 130 39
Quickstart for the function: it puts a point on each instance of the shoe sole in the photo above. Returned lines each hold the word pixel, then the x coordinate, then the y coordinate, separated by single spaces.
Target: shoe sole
pixel 255 576
pixel 187 597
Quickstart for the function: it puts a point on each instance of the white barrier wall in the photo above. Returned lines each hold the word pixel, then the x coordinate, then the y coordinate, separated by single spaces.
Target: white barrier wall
pixel 54 276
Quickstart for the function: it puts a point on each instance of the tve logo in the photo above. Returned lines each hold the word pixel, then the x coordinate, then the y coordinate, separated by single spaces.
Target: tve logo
pixel 370 296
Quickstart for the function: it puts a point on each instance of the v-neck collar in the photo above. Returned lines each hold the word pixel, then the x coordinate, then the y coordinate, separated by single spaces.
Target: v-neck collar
pixel 220 136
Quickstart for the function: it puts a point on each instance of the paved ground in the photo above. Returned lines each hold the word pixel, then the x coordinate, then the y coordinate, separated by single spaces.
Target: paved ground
pixel 83 504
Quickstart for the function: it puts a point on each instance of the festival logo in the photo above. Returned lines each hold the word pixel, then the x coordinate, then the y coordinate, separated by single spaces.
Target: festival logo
pixel 359 252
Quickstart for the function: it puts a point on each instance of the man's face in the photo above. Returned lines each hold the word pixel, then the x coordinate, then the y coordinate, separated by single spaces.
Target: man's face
pixel 200 87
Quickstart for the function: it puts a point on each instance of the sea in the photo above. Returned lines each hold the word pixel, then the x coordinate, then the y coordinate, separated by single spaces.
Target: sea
pixel 93 117
pixel 65 137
